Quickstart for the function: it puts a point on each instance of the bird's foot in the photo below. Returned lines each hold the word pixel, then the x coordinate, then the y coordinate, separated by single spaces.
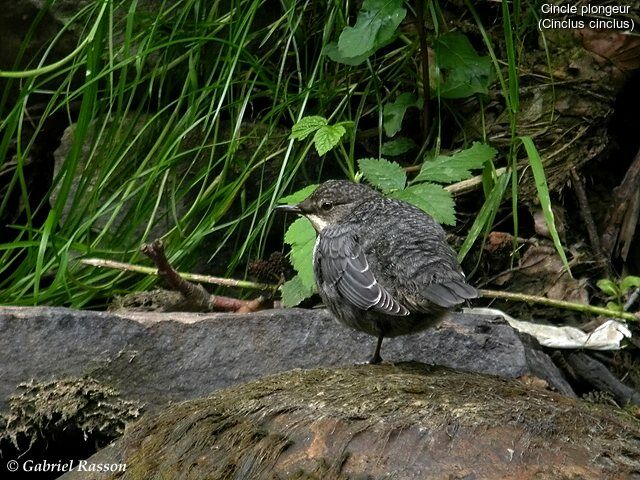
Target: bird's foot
pixel 375 360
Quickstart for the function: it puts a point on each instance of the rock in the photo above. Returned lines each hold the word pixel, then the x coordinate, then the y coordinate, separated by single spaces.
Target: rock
pixel 162 357
pixel 405 421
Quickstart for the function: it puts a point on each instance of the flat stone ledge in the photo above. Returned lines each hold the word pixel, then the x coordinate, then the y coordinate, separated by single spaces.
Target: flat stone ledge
pixel 164 357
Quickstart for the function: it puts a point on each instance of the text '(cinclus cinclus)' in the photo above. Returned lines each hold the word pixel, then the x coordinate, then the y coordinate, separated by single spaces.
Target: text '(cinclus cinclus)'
pixel 382 266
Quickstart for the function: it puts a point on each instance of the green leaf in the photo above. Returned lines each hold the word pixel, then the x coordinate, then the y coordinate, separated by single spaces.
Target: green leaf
pixel 431 198
pixel 298 196
pixel 463 71
pixel 306 126
pixel 393 112
pixel 295 291
pixel 333 52
pixel 447 169
pixel 383 174
pixel 301 236
pixel 608 287
pixel 375 27
pixel 328 137
pixel 543 195
pixel 397 146
pixel 628 283
pixel 486 215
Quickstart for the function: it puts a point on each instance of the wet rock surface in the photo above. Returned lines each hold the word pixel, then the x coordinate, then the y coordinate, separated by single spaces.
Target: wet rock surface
pixel 161 357
pixel 406 421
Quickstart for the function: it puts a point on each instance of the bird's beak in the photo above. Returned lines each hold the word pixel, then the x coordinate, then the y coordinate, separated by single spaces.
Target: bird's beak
pixel 289 209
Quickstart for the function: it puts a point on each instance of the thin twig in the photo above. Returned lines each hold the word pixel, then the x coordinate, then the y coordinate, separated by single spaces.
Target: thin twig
pixel 585 213
pixel 194 277
pixel 422 35
pixel 578 307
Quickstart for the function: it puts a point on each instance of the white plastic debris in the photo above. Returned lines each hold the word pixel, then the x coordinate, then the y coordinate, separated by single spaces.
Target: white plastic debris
pixel 606 337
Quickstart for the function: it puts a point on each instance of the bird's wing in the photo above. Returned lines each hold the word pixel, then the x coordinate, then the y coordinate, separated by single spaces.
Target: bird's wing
pixel 344 264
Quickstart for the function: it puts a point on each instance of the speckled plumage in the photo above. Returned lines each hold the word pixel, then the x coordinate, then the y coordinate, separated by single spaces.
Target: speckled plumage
pixel 382 265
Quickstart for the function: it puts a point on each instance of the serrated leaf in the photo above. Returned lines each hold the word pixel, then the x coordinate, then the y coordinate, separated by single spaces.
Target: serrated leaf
pixel 295 291
pixel 431 198
pixel 629 282
pixel 393 112
pixel 298 196
pixel 447 169
pixel 608 287
pixel 301 236
pixel 383 174
pixel 328 137
pixel 463 71
pixel 306 126
pixel 397 146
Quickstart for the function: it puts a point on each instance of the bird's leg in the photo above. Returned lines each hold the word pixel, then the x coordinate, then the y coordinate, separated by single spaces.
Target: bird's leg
pixel 376 355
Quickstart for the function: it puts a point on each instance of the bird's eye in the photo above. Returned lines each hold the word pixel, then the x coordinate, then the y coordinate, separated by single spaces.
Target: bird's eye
pixel 326 206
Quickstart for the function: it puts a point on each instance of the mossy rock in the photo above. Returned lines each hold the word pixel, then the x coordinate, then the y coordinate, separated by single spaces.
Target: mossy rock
pixel 405 421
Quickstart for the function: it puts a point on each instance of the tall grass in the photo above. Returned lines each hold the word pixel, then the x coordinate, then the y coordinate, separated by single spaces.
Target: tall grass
pixel 181 130
pixel 181 115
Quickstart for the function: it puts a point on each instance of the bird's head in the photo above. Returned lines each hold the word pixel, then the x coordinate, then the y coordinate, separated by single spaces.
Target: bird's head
pixel 331 202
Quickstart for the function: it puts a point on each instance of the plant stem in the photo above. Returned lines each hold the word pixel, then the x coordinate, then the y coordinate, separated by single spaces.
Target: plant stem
pixel 578 307
pixel 129 267
pixel 422 35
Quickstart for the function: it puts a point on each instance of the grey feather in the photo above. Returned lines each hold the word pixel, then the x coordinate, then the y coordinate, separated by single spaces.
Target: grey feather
pixel 343 264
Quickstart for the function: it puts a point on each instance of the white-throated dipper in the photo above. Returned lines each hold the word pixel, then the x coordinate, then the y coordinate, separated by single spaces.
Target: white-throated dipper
pixel 382 266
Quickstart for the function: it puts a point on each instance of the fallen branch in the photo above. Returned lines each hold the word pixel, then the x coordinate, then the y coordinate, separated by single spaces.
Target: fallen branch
pixel 577 307
pixel 195 293
pixel 194 277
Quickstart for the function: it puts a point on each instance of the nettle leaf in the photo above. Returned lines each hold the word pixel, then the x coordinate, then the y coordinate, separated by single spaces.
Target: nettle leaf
pixel 393 112
pixel 431 198
pixel 463 71
pixel 447 169
pixel 298 196
pixel 375 27
pixel 328 137
pixel 301 236
pixel 397 146
pixel 295 291
pixel 383 174
pixel 306 126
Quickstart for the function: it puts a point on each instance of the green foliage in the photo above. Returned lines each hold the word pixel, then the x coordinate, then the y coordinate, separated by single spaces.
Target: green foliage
pixel 393 112
pixel 397 146
pixel 374 28
pixel 328 137
pixel 301 237
pixel 431 198
pixel 543 195
pixel 383 174
pixel 298 196
pixel 295 291
pixel 325 137
pixel 306 126
pixel 446 169
pixel 463 71
pixel 617 291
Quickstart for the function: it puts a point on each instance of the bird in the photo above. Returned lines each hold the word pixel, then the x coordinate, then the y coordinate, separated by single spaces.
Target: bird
pixel 382 266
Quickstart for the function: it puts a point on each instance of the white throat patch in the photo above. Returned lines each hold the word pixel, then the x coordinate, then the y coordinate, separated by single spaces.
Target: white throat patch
pixel 317 222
